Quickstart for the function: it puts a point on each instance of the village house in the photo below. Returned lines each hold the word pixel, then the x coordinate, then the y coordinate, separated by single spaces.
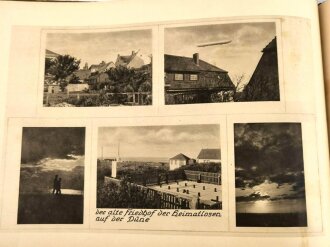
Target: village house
pixel 99 78
pixel 178 160
pixel 264 83
pixel 76 87
pixel 192 80
pixel 51 55
pixel 49 78
pixel 82 75
pixel 130 61
pixel 53 88
pixel 209 155
pixel 102 67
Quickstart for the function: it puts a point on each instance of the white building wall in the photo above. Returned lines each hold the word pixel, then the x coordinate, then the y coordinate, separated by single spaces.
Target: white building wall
pixel 208 161
pixel 76 87
pixel 175 164
pixel 114 169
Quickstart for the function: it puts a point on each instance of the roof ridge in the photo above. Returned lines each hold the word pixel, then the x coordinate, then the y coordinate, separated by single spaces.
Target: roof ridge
pixel 203 65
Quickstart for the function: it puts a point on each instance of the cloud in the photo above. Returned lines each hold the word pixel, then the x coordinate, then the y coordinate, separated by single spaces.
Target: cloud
pixel 272 148
pixel 269 190
pixel 51 142
pixel 238 57
pixel 159 141
pixel 48 164
pixel 94 47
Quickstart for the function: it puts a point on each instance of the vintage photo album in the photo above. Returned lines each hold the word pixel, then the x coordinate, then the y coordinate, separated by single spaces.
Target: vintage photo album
pixel 199 124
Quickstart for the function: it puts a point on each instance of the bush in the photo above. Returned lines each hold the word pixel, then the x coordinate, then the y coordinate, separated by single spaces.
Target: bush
pixel 207 167
pixel 124 195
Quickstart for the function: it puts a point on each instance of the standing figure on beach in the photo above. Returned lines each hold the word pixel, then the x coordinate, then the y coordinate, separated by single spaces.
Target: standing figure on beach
pixel 58 188
pixel 55 184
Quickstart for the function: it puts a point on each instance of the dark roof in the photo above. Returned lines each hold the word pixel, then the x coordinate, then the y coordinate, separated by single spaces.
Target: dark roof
pixel 126 59
pixel 82 74
pixel 51 54
pixel 180 157
pixel 271 46
pixel 101 67
pixel 209 153
pixel 182 64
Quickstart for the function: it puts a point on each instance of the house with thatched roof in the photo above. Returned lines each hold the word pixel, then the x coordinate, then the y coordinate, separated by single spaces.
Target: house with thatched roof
pixel 209 155
pixel 178 160
pixel 193 80
pixel 264 83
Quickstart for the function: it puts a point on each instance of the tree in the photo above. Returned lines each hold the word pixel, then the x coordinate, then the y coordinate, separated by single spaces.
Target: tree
pixel 64 66
pixel 128 80
pixel 239 86
pixel 74 79
pixel 63 84
pixel 49 63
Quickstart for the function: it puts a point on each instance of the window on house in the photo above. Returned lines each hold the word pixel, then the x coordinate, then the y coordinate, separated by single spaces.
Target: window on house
pixel 178 77
pixel 193 77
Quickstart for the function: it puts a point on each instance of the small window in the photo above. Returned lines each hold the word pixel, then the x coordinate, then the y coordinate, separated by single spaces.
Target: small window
pixel 193 77
pixel 178 77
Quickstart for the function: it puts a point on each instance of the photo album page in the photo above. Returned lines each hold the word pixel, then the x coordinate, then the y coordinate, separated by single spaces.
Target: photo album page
pixel 143 122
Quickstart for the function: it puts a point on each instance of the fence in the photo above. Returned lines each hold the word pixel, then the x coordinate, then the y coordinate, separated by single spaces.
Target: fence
pixel 162 200
pixel 152 178
pixel 95 99
pixel 203 177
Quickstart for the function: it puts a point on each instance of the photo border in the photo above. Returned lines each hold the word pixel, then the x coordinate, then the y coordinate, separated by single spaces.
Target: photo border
pixel 95 111
pixel 224 107
pixel 158 223
pixel 311 172
pixel 12 172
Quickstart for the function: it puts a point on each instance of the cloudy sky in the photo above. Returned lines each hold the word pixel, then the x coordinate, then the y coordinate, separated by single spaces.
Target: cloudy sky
pixel 269 147
pixel 52 147
pixel 269 162
pixel 50 151
pixel 96 47
pixel 157 141
pixel 238 57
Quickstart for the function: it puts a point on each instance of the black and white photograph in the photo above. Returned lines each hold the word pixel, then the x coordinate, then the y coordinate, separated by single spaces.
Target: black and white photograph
pixel 269 175
pixel 159 167
pixel 51 184
pixel 216 63
pixel 98 69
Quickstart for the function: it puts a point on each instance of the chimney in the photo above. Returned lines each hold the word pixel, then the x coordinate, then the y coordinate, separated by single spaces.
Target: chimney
pixel 196 58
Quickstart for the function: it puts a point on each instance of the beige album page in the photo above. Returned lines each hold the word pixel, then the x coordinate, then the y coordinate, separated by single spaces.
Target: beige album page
pixel 165 125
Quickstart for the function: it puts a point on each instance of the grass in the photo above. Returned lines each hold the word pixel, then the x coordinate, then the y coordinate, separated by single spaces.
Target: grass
pixel 61 97
pixel 271 220
pixel 50 209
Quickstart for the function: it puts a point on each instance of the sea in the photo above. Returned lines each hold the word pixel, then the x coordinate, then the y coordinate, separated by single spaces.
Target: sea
pixel 69 192
pixel 275 206
pixel 142 159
